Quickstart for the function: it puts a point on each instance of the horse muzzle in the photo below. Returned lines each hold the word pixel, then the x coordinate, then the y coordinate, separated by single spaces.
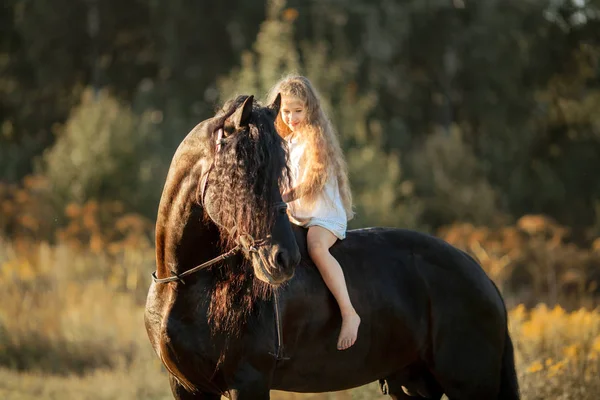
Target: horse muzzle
pixel 274 265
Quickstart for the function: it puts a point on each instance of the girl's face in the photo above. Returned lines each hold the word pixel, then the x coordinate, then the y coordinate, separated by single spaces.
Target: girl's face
pixel 293 112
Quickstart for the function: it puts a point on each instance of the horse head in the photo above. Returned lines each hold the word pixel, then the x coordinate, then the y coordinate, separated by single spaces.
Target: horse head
pixel 241 190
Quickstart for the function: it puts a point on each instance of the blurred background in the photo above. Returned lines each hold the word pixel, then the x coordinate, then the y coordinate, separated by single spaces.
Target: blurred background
pixel 477 121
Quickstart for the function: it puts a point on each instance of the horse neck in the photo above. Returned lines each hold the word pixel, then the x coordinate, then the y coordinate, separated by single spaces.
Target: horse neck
pixel 183 236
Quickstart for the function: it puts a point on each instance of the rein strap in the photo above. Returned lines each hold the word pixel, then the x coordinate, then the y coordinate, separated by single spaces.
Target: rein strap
pixel 279 354
pixel 178 277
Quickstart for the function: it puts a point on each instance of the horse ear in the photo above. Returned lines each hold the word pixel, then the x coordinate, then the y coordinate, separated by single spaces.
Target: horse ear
pixel 241 116
pixel 275 105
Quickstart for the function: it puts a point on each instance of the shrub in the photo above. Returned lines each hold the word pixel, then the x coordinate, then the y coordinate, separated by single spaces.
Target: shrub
pixel 105 152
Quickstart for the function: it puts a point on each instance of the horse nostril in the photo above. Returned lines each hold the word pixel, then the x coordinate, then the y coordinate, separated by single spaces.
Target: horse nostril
pixel 282 258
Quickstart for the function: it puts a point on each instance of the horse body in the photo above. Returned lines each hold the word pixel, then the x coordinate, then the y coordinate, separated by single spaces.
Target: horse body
pixel 389 296
pixel 432 321
pixel 427 310
pixel 411 291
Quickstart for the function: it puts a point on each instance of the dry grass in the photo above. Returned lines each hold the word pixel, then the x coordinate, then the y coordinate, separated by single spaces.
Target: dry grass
pixel 142 379
pixel 557 353
pixel 534 260
pixel 71 328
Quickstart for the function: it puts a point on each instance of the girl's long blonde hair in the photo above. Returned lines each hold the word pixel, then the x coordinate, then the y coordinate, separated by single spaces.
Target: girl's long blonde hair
pixel 323 155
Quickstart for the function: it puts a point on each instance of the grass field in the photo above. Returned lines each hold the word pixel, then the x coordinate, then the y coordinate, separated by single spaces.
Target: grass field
pixel 71 327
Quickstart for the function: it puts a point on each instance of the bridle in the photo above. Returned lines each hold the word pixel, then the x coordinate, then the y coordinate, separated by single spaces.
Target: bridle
pixel 244 241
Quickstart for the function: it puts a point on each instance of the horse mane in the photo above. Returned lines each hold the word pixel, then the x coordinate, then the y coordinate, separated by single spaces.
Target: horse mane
pixel 241 183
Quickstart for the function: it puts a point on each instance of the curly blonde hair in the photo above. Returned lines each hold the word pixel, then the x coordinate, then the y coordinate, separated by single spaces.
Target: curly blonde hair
pixel 323 156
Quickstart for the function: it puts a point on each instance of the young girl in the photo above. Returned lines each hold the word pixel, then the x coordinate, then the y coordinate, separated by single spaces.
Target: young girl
pixel 320 197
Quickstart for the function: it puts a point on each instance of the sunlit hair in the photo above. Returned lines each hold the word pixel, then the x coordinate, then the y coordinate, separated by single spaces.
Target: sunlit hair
pixel 323 156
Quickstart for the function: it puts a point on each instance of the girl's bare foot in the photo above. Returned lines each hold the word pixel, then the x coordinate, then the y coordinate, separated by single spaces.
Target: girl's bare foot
pixel 349 331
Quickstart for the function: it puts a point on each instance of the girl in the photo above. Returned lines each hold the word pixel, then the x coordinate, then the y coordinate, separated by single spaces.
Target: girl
pixel 320 197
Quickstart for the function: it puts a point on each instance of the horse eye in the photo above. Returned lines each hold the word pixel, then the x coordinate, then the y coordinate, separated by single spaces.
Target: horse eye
pixel 283 210
pixel 228 131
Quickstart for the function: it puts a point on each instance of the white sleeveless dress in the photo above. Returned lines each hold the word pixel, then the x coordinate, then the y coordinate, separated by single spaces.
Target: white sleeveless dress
pixel 328 210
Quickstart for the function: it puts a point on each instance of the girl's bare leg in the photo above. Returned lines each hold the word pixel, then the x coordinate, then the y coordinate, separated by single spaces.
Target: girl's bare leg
pixel 319 241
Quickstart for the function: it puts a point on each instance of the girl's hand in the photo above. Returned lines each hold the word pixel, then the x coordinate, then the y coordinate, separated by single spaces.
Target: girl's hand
pixel 290 195
pixel 287 196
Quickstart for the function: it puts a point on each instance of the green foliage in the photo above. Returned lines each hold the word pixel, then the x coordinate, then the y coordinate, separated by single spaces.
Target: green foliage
pixel 15 156
pixel 450 182
pixel 519 80
pixel 273 55
pixel 104 152
pixel 563 147
pixel 41 52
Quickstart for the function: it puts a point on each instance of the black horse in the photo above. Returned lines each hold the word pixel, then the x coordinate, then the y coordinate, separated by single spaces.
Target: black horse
pixel 227 315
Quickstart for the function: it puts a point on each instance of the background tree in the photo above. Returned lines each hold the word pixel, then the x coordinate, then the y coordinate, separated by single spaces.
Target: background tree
pixel 495 100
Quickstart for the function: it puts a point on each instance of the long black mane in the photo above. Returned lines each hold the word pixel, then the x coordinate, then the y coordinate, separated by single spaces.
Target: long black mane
pixel 241 183
pixel 245 169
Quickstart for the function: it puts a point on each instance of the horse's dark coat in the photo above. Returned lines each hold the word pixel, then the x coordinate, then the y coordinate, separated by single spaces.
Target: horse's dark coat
pixel 432 321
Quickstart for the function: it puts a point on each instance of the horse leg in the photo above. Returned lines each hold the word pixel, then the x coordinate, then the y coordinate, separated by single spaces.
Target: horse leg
pixel 180 393
pixel 250 393
pixel 466 369
pixel 250 383
pixel 423 386
pixel 394 389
